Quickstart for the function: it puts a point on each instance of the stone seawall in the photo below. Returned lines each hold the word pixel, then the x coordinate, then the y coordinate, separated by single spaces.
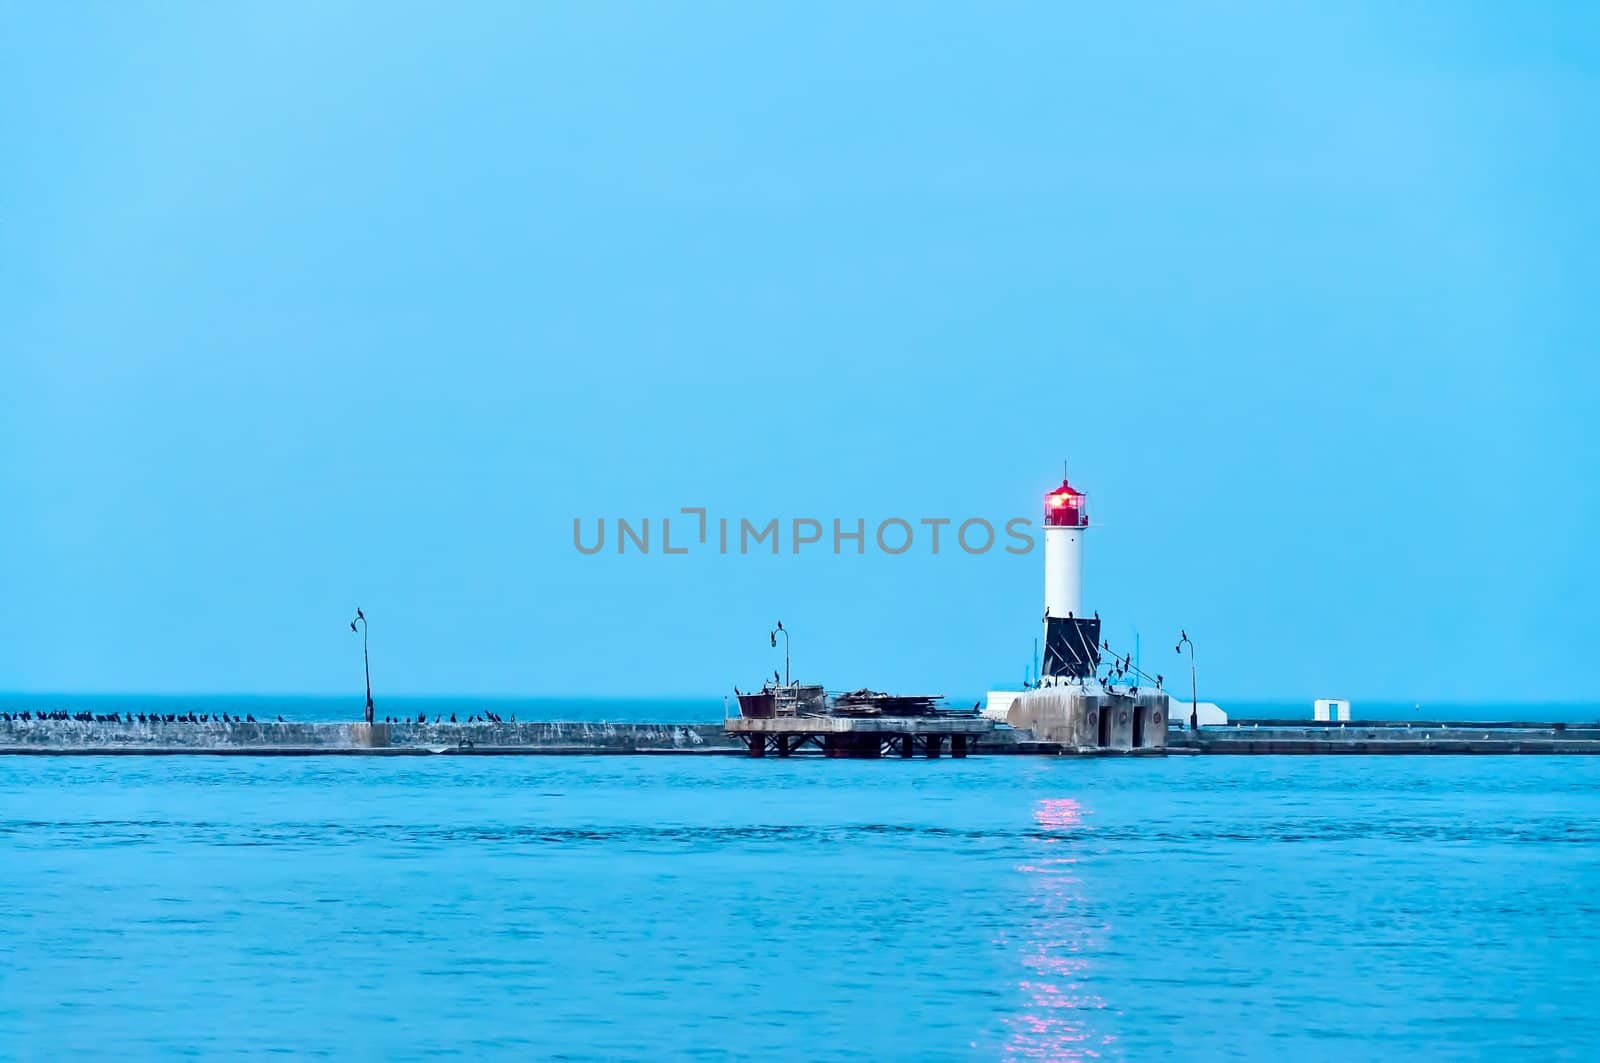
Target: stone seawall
pixel 99 736
pixel 1465 738
pixel 553 737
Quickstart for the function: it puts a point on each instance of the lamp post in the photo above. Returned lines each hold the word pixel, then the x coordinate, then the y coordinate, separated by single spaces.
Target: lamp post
pixel 366 662
pixel 1194 697
pixel 774 637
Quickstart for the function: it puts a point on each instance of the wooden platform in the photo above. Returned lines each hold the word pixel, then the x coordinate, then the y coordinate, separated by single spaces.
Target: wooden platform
pixel 860 736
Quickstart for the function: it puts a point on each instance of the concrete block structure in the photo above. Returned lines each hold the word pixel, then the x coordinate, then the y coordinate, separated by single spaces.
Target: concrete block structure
pixel 1091 720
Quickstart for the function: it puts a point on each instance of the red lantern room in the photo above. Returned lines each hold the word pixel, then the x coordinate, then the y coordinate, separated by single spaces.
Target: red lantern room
pixel 1064 508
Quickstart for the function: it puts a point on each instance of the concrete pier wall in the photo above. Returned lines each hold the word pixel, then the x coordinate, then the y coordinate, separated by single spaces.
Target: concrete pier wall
pixel 1084 720
pixel 82 736
pixel 1058 726
pixel 1391 738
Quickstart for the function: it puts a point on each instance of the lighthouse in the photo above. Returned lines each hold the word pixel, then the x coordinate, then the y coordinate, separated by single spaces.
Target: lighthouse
pixel 1065 520
pixel 1068 704
pixel 1071 640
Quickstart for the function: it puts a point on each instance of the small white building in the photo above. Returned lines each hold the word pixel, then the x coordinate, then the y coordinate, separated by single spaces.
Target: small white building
pixel 1330 709
pixel 1207 713
pixel 999 702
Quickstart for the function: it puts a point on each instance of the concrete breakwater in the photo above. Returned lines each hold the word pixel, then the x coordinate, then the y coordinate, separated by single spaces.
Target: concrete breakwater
pixel 1462 737
pixel 395 739
pixel 300 738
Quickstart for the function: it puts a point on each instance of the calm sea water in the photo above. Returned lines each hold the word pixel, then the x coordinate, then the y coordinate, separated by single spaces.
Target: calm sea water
pixel 589 907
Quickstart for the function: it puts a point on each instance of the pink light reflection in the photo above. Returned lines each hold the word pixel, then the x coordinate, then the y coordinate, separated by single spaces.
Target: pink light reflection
pixel 1057 1004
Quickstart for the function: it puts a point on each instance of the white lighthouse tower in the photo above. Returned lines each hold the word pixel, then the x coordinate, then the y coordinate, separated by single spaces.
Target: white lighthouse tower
pixel 1065 520
pixel 1071 640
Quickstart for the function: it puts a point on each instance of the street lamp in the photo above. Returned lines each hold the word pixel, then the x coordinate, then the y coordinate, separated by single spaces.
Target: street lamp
pixel 774 637
pixel 366 662
pixel 1194 697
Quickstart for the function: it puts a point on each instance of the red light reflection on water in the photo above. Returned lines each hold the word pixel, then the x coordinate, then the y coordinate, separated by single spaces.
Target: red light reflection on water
pixel 1054 1022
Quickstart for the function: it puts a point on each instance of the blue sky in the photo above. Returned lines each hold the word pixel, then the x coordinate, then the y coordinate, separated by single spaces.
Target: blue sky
pixel 307 306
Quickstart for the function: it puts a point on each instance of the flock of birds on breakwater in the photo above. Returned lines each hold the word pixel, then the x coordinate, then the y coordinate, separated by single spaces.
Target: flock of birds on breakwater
pixel 422 717
pixel 129 717
pixel 218 717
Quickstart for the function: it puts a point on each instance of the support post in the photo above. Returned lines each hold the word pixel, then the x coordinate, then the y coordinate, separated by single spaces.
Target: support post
pixel 958 745
pixel 935 745
pixel 907 746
